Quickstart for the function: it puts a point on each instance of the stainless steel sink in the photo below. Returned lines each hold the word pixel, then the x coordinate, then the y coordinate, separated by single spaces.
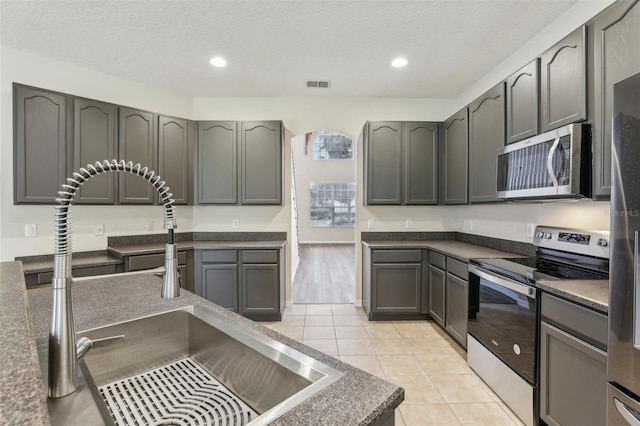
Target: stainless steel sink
pixel 193 365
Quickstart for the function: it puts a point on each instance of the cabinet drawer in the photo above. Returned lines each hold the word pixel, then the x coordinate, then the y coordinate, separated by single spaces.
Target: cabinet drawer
pixel 588 324
pixel 149 261
pixel 259 256
pixel 397 256
pixel 457 268
pixel 437 259
pixel 219 256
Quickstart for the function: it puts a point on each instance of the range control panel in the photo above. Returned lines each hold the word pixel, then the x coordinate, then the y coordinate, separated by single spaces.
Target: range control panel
pixel 591 243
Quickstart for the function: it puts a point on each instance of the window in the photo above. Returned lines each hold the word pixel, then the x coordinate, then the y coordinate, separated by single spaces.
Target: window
pixel 333 204
pixel 329 145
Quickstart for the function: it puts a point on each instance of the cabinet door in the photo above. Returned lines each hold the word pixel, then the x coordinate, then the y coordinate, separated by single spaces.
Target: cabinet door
pixel 259 293
pixel 136 143
pixel 220 285
pixel 573 379
pixel 383 162
pixel 523 89
pixel 437 294
pixel 486 136
pixel 616 46
pixel 455 149
pixel 457 307
pixel 40 145
pixel 94 140
pixel 420 152
pixel 173 156
pixel 217 162
pixel 396 288
pixel 261 162
pixel 563 94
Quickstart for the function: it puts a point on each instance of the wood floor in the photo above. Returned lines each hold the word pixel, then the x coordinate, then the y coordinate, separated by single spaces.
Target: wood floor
pixel 326 274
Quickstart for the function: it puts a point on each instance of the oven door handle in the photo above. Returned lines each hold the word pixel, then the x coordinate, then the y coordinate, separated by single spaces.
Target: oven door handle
pixel 504 282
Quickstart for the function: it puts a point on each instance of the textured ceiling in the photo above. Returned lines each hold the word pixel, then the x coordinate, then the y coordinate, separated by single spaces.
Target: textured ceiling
pixel 273 47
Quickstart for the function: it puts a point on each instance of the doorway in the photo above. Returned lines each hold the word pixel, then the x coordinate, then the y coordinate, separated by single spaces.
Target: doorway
pixel 323 217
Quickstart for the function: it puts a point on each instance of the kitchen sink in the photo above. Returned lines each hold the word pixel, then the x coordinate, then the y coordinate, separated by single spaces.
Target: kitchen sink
pixel 190 366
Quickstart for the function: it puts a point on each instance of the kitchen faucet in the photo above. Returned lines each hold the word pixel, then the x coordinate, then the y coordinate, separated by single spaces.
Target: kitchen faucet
pixel 64 349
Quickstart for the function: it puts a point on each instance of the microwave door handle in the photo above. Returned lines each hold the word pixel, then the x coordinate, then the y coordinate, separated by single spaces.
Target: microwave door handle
pixel 552 151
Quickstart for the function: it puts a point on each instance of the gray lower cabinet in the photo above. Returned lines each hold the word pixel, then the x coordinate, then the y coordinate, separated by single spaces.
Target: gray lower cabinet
pixel 616 43
pixel 401 162
pixel 250 282
pixel 455 159
pixel 523 89
pixel 573 364
pixel 175 164
pixel 240 162
pixel 563 82
pixel 41 138
pixel 136 143
pixel 94 140
pixel 437 278
pixel 394 285
pixel 486 136
pixel 457 300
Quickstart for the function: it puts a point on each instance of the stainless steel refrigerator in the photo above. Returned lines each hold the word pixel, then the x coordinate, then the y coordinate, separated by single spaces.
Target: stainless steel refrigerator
pixel 623 357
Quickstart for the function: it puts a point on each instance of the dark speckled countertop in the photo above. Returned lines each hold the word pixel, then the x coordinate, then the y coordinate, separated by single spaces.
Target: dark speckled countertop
pixel 457 249
pixel 357 398
pixel 136 249
pixel 593 294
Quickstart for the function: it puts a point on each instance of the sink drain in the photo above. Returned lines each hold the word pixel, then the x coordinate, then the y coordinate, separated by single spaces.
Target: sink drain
pixel 179 393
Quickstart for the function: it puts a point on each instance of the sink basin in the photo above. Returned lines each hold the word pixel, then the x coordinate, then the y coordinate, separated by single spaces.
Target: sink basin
pixel 194 366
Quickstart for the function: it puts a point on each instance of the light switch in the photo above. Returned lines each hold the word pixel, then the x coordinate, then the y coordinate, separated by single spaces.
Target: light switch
pixel 31 230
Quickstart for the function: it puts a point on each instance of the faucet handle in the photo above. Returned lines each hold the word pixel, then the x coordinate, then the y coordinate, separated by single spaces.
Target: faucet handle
pixel 83 344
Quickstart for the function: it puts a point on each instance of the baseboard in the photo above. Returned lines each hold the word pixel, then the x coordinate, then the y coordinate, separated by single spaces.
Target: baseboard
pixel 358 303
pixel 326 242
pixel 288 303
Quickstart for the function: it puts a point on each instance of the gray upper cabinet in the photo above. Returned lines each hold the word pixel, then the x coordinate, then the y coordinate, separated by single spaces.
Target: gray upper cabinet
pixel 454 158
pixel 261 158
pixel 523 88
pixel 217 162
pixel 136 143
pixel 563 82
pixel 616 39
pixel 94 140
pixel 40 145
pixel 486 136
pixel 174 152
pixel 401 161
pixel 420 147
pixel 383 153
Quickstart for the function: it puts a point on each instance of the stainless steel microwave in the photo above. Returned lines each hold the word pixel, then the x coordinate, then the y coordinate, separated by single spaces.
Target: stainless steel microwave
pixel 556 164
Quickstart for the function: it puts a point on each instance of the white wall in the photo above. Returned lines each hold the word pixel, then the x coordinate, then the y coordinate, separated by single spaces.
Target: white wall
pixel 308 170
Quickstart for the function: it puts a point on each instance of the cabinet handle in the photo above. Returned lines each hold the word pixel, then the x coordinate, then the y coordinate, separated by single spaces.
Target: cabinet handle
pixel 631 416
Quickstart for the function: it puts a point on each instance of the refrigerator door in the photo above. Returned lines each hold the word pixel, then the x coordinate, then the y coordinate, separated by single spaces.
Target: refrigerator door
pixel 623 363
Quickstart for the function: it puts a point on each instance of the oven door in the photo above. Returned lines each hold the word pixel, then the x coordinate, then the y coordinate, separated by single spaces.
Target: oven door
pixel 503 318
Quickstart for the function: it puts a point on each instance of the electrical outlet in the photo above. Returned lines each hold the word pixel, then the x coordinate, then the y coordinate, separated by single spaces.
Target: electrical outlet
pixel 150 225
pixel 408 224
pixel 235 224
pixel 99 230
pixel 31 230
pixel 531 228
pixel 470 224
pixel 371 223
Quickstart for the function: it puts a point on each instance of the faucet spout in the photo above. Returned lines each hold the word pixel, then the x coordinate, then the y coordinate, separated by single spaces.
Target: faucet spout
pixel 63 347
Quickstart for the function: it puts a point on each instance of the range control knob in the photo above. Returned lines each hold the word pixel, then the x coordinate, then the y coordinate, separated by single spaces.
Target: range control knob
pixel 547 235
pixel 602 242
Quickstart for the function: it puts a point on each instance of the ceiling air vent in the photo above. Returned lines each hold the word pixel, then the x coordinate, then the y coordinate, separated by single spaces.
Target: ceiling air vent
pixel 318 84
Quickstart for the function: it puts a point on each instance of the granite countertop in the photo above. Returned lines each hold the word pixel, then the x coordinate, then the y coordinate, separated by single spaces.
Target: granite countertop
pixel 457 249
pixel 357 398
pixel 593 294
pixel 46 265
pixel 150 248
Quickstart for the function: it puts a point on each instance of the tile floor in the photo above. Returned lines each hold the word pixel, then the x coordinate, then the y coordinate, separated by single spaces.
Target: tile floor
pixel 440 389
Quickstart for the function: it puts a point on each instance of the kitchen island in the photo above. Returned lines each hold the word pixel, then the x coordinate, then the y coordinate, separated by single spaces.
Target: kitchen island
pixel 357 398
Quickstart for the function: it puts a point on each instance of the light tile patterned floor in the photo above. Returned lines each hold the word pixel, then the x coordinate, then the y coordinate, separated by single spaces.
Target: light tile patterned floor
pixel 440 389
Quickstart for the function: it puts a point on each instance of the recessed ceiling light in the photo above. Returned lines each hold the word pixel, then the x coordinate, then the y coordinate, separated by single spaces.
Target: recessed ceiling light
pixel 399 62
pixel 218 62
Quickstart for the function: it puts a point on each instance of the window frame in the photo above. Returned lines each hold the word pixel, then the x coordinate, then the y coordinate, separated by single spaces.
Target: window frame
pixel 350 207
pixel 315 153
